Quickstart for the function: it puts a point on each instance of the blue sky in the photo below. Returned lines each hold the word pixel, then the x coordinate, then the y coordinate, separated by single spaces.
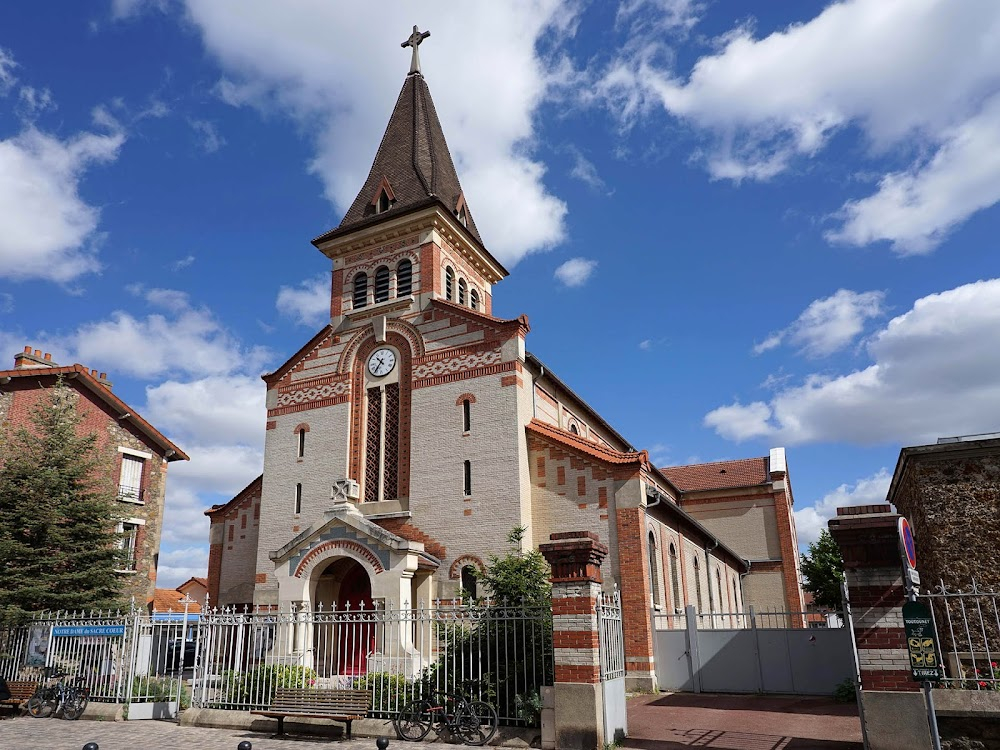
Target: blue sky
pixel 733 226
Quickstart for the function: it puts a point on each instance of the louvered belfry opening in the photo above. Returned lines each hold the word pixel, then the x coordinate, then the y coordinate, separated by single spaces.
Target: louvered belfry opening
pixel 360 290
pixel 404 278
pixel 382 284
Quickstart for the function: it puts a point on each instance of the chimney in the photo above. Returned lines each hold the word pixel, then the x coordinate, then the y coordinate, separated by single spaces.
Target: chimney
pixel 33 359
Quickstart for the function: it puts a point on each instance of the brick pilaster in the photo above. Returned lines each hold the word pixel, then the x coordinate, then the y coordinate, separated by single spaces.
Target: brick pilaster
pixel 634 561
pixel 868 539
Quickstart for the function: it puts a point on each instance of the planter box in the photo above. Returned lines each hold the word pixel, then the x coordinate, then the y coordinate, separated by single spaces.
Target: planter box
pixel 152 710
pixel 974 703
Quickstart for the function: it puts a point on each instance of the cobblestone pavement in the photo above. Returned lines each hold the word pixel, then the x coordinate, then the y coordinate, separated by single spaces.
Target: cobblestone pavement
pixel 25 733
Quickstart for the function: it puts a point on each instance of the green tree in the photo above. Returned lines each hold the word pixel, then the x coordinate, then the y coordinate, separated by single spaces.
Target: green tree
pixel 518 577
pixel 58 543
pixel 823 571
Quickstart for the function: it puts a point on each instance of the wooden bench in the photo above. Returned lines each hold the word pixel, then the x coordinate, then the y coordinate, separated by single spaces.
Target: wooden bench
pixel 318 703
pixel 20 691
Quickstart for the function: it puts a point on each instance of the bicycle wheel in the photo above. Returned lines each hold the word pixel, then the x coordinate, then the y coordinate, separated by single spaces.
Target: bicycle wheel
pixel 476 722
pixel 74 706
pixel 38 706
pixel 413 721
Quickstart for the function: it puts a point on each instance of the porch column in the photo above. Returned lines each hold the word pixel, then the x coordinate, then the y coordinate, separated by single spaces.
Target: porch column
pixel 575 558
pixel 894 710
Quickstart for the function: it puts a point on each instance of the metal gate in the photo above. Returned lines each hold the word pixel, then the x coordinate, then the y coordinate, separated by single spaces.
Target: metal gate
pixel 611 639
pixel 749 653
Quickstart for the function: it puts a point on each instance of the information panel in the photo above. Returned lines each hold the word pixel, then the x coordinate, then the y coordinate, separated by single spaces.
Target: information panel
pixel 921 642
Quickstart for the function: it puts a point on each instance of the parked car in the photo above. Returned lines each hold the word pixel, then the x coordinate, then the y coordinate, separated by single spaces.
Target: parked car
pixel 174 652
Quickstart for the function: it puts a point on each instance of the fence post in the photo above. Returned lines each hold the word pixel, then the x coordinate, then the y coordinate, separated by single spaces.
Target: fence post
pixel 756 649
pixel 694 655
pixel 575 558
pixel 894 711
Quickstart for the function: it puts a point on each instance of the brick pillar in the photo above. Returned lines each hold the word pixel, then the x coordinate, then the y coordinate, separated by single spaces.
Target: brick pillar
pixel 894 708
pixel 576 558
pixel 633 559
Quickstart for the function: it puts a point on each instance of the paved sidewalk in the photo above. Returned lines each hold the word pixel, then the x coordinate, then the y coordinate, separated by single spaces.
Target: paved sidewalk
pixel 741 722
pixel 25 733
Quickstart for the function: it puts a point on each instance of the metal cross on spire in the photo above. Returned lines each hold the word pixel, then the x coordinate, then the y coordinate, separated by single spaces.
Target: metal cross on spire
pixel 414 41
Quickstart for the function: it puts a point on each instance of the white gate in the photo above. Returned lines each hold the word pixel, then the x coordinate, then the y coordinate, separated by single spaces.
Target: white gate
pixel 611 639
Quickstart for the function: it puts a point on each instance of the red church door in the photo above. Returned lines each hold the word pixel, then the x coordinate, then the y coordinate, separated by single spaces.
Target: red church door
pixel 357 632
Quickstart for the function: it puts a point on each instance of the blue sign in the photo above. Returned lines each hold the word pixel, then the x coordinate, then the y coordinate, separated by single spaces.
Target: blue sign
pixel 78 630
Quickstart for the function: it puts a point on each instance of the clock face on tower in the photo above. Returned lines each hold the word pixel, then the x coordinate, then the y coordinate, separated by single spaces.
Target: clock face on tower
pixel 381 362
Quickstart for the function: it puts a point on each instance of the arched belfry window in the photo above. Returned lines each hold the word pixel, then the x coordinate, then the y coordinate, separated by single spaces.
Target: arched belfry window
pixel 381 426
pixel 654 570
pixel 461 291
pixel 404 278
pixel 675 582
pixel 449 283
pixel 382 284
pixel 474 299
pixel 360 290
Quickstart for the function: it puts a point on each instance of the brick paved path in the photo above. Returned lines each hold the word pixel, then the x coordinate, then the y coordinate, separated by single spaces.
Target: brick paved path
pixel 25 733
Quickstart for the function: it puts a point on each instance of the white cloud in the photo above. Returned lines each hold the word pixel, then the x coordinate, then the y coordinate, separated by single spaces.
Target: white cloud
pixel 209 139
pixel 6 302
pixel 47 230
pixel 766 102
pixel 180 265
pixel 658 16
pixel 308 303
pixel 7 77
pixel 33 102
pixel 575 271
pixel 585 171
pixel 933 373
pixel 178 565
pixel 810 521
pixel 313 61
pixel 828 325
pixel 211 410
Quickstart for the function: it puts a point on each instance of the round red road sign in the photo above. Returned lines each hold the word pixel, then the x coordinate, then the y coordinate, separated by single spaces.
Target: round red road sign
pixel 906 541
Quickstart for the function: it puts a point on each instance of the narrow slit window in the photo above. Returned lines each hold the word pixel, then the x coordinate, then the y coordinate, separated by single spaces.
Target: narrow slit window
pixel 298 498
pixel 736 594
pixel 360 290
pixel 718 589
pixel 675 584
pixel 654 570
pixel 301 444
pixel 466 416
pixel 468 478
pixel 461 291
pixel 697 585
pixel 404 278
pixel 449 283
pixel 382 284
pixel 474 299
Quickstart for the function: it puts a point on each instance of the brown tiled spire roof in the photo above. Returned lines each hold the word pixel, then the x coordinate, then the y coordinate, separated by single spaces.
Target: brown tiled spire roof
pixel 743 472
pixel 414 159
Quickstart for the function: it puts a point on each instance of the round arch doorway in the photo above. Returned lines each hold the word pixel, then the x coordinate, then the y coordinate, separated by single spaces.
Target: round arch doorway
pixel 344 638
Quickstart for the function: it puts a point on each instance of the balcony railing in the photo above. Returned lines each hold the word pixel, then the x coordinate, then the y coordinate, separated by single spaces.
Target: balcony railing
pixel 132 494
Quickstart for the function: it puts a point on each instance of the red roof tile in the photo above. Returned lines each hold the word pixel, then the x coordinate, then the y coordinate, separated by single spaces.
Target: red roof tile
pixel 743 472
pixel 169 600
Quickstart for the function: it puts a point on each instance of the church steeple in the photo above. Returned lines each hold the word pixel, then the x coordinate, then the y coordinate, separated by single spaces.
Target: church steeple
pixel 413 166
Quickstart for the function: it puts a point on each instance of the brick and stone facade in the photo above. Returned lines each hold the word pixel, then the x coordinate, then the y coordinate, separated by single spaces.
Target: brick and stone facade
pixel 122 435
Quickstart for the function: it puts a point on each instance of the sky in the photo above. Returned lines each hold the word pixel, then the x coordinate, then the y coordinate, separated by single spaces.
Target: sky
pixel 733 226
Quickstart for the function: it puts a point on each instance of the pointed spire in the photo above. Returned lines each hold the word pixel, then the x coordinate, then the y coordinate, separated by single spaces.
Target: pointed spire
pixel 413 165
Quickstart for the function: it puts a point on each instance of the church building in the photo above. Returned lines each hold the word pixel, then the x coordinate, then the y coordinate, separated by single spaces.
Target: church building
pixel 411 434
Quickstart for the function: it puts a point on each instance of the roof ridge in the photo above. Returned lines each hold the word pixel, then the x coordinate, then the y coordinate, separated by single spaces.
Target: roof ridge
pixel 714 463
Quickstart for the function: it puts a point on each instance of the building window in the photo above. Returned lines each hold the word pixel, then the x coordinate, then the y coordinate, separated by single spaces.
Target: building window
pixel 382 284
pixel 469 582
pixel 300 448
pixel 463 216
pixel 736 593
pixel 654 570
pixel 718 589
pixel 697 585
pixel 449 283
pixel 127 545
pixel 298 498
pixel 382 443
pixel 461 291
pixel 466 416
pixel 383 203
pixel 468 478
pixel 474 299
pixel 675 583
pixel 360 290
pixel 130 481
pixel 574 429
pixel 404 278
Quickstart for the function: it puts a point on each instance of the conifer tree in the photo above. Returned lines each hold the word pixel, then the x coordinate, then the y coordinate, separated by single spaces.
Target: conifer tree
pixel 58 542
pixel 823 571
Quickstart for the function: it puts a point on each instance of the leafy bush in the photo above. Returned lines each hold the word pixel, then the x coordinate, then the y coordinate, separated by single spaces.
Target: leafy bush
pixel 158 690
pixel 256 687
pixel 389 691
pixel 844 692
pixel 529 708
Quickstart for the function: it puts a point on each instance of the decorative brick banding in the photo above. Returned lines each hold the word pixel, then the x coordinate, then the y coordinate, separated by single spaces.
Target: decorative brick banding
pixel 338 545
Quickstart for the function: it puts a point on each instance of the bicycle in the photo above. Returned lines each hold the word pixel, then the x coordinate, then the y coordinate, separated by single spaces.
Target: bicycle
pixel 68 699
pixel 473 722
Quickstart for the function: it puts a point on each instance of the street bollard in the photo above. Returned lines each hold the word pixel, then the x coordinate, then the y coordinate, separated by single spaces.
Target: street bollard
pixel 382 743
pixel 91 746
pixel 245 745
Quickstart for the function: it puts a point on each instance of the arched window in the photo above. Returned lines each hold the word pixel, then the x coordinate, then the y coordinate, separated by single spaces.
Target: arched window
pixel 574 429
pixel 474 299
pixel 449 283
pixel 718 589
pixel 466 416
pixel 468 478
pixel 382 284
pixel 675 583
pixel 360 290
pixel 404 278
pixel 736 593
pixel 654 570
pixel 298 499
pixel 301 447
pixel 697 585
pixel 461 291
pixel 469 582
